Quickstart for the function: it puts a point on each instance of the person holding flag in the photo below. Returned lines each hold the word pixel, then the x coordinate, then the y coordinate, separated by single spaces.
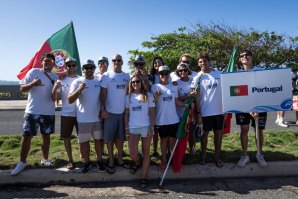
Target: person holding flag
pixel 40 110
pixel 209 106
pixel 243 119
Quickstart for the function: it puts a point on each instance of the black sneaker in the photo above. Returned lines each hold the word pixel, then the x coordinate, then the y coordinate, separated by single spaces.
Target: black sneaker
pixel 87 167
pixel 101 167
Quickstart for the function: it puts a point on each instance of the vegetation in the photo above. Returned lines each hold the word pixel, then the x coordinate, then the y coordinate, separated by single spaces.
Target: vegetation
pixel 270 49
pixel 279 145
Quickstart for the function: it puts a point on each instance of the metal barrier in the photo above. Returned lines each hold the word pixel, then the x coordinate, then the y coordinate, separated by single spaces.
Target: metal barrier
pixel 12 92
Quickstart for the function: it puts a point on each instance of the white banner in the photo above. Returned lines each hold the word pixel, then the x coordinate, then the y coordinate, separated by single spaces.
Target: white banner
pixel 257 91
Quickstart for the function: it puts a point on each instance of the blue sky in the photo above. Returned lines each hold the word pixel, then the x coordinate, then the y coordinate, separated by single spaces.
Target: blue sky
pixel 116 26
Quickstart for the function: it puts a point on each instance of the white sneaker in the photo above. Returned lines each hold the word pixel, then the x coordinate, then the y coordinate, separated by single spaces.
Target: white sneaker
pixel 261 160
pixel 46 163
pixel 18 169
pixel 243 160
pixel 282 124
pixel 277 120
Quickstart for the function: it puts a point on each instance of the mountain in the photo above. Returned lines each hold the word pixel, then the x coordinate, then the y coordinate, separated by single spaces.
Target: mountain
pixel 4 82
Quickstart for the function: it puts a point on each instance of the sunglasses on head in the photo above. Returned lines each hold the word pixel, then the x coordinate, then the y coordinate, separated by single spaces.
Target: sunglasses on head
pixel 183 70
pixel 71 65
pixel 116 60
pixel 136 82
pixel 164 73
pixel 89 68
pixel 245 55
pixel 185 62
pixel 102 62
pixel 138 64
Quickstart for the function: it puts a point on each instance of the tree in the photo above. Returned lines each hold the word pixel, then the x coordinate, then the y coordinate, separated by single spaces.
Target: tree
pixel 271 50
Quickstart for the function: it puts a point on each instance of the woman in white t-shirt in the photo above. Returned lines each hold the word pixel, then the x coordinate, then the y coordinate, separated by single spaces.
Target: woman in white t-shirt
pixel 139 122
pixel 184 92
pixel 166 118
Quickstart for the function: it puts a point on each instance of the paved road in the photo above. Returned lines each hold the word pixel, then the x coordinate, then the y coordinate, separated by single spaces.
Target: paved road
pixel 11 121
pixel 249 188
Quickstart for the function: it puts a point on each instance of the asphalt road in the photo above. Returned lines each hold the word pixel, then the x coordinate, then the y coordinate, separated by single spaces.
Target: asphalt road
pixel 248 188
pixel 11 122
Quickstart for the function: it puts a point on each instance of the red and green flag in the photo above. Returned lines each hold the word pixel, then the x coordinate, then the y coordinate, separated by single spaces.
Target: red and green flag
pixel 239 90
pixel 62 44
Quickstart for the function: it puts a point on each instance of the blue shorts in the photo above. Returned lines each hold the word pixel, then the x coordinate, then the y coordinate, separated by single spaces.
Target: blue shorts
pixel 114 127
pixel 142 131
pixel 32 122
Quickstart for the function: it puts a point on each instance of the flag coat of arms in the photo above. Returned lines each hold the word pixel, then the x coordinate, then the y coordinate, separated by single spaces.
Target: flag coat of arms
pixel 62 44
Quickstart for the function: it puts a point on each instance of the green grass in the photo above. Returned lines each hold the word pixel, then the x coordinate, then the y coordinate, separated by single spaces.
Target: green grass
pixel 278 146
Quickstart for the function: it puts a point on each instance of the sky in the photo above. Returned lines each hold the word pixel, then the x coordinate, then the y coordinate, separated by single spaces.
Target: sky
pixel 107 27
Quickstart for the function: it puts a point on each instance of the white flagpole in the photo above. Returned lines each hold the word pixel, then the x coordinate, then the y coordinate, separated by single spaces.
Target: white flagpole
pixel 257 135
pixel 165 172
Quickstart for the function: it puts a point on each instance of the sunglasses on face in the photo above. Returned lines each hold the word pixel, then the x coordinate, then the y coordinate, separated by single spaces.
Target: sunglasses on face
pixel 157 62
pixel 183 70
pixel 136 82
pixel 89 68
pixel 164 73
pixel 48 61
pixel 71 65
pixel 138 64
pixel 245 55
pixel 185 62
pixel 116 60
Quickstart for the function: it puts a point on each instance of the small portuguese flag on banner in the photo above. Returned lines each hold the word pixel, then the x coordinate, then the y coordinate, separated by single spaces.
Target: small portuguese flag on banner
pixel 239 90
pixel 62 44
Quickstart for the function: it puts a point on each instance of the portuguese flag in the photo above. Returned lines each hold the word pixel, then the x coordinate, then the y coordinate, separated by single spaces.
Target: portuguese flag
pixel 239 90
pixel 62 44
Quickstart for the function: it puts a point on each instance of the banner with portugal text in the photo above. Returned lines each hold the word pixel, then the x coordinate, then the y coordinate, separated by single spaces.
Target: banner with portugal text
pixel 257 91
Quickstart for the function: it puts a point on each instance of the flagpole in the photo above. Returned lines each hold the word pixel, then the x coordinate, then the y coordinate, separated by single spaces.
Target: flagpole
pixel 257 135
pixel 165 172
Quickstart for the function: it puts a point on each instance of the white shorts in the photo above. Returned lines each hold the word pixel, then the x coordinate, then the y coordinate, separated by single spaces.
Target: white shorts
pixel 142 131
pixel 88 129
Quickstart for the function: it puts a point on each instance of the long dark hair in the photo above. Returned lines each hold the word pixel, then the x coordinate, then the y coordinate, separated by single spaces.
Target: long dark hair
pixel 143 91
pixel 153 71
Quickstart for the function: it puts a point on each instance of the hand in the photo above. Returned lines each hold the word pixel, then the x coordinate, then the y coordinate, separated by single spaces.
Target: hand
pixel 57 85
pixel 104 114
pixel 254 115
pixel 199 120
pixel 37 82
pixel 157 94
pixel 82 86
pixel 192 94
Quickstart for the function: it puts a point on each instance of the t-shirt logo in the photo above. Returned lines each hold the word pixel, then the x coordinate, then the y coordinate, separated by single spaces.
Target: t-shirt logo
pixel 239 90
pixel 167 98
pixel 120 86
pixel 137 108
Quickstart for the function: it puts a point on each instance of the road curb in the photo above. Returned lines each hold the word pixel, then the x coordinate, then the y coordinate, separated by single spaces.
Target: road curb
pixel 195 171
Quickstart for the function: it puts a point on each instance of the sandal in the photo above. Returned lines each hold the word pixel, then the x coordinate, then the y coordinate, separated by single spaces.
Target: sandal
pixel 70 165
pixel 110 169
pixel 219 163
pixel 134 169
pixel 144 183
pixel 124 165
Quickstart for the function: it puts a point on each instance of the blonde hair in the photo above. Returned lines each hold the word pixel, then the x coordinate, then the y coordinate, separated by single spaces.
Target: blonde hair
pixel 144 92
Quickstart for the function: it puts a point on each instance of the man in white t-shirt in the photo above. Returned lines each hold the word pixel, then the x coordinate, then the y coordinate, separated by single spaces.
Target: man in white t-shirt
pixel 68 111
pixel 209 106
pixel 184 59
pixel 103 64
pixel 114 85
pixel 85 91
pixel 40 110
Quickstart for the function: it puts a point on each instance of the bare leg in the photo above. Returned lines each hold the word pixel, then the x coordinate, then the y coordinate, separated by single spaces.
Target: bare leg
pixel 119 145
pixel 85 149
pixel 244 138
pixel 25 147
pixel 146 142
pixel 67 144
pixel 98 144
pixel 45 146
pixel 110 145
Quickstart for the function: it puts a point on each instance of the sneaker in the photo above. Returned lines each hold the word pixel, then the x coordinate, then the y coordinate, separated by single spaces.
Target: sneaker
pixel 243 161
pixel 87 167
pixel 18 169
pixel 277 121
pixel 100 165
pixel 261 160
pixel 282 124
pixel 46 163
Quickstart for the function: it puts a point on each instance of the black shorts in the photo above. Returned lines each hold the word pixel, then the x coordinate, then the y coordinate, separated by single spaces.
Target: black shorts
pixel 214 122
pixel 67 124
pixel 245 118
pixel 33 122
pixel 169 130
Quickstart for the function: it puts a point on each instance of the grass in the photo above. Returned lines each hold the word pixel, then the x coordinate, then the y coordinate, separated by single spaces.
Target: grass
pixel 278 146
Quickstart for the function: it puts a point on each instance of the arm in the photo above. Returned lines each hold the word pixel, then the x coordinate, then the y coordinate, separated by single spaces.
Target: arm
pixel 126 120
pixel 27 87
pixel 72 97
pixel 185 97
pixel 103 97
pixel 56 87
pixel 198 108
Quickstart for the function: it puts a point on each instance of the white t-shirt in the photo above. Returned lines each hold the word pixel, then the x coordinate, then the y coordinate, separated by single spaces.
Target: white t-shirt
pixel 175 78
pixel 210 92
pixel 88 103
pixel 116 85
pixel 183 89
pixel 165 111
pixel 67 108
pixel 139 111
pixel 39 97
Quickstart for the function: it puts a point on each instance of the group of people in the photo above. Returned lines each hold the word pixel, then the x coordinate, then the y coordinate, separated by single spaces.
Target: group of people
pixel 112 106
